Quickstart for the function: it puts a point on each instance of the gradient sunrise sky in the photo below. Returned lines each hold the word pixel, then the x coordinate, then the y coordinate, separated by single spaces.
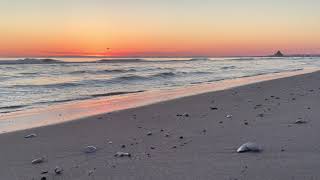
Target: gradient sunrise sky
pixel 158 27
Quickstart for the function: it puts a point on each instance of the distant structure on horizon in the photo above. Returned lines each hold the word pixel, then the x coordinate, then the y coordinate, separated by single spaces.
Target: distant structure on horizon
pixel 278 54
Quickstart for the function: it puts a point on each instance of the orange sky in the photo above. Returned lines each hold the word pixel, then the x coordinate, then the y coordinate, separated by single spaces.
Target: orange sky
pixel 158 28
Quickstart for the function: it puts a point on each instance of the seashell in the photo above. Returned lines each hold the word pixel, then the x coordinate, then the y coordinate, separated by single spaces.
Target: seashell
pixel 90 172
pixel 30 135
pixel 44 172
pixel 58 170
pixel 300 122
pixel 38 160
pixel 122 154
pixel 90 149
pixel 249 147
pixel 229 116
pixel 149 133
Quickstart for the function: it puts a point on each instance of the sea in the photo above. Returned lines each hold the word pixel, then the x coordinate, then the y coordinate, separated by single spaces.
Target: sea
pixel 40 82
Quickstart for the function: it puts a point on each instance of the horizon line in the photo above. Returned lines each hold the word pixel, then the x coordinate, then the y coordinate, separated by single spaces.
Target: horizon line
pixel 159 56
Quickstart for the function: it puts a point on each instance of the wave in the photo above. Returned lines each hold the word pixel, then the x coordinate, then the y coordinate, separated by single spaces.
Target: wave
pixel 106 71
pixel 179 73
pixel 62 101
pixel 31 61
pixel 54 85
pixel 130 78
pixel 151 61
pixel 135 78
pixel 240 59
pixel 12 107
pixel 254 58
pixel 115 93
pixel 120 60
pixel 199 59
pixel 228 67
pixel 28 73
pixel 163 75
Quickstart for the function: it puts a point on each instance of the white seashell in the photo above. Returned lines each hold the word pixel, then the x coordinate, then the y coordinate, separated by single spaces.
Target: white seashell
pixel 90 172
pixel 58 170
pixel 90 149
pixel 38 160
pixel 249 147
pixel 229 116
pixel 122 154
pixel 31 135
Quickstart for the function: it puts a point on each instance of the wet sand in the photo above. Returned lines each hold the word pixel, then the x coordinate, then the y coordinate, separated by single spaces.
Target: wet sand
pixel 193 137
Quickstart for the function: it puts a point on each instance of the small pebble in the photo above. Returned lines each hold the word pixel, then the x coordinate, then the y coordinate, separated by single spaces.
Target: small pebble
pixel 90 149
pixel 149 133
pixel 44 172
pixel 185 114
pixel 229 116
pixel 258 106
pixel 261 115
pixel 58 170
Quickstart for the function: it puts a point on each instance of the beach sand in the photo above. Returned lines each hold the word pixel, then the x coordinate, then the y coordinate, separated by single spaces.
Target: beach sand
pixel 185 138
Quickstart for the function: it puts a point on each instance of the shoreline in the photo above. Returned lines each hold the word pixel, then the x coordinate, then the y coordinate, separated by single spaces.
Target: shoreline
pixel 194 137
pixel 73 111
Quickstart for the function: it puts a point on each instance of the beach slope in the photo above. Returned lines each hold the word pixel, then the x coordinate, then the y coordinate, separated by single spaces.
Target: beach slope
pixel 193 137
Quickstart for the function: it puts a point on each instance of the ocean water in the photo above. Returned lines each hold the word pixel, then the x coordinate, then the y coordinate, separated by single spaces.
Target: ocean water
pixel 33 83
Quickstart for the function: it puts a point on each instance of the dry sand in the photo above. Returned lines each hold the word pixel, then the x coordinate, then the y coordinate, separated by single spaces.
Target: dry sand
pixel 201 144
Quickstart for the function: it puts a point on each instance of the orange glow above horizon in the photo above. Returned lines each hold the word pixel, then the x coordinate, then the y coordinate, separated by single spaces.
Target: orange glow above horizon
pixel 83 28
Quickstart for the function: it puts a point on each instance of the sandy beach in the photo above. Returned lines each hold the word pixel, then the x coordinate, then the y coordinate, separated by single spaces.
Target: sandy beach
pixel 193 137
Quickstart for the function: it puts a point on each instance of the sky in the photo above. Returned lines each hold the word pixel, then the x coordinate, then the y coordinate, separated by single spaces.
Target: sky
pixel 158 27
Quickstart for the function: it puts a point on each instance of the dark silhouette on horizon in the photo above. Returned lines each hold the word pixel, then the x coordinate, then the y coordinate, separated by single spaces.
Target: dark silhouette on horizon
pixel 278 54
